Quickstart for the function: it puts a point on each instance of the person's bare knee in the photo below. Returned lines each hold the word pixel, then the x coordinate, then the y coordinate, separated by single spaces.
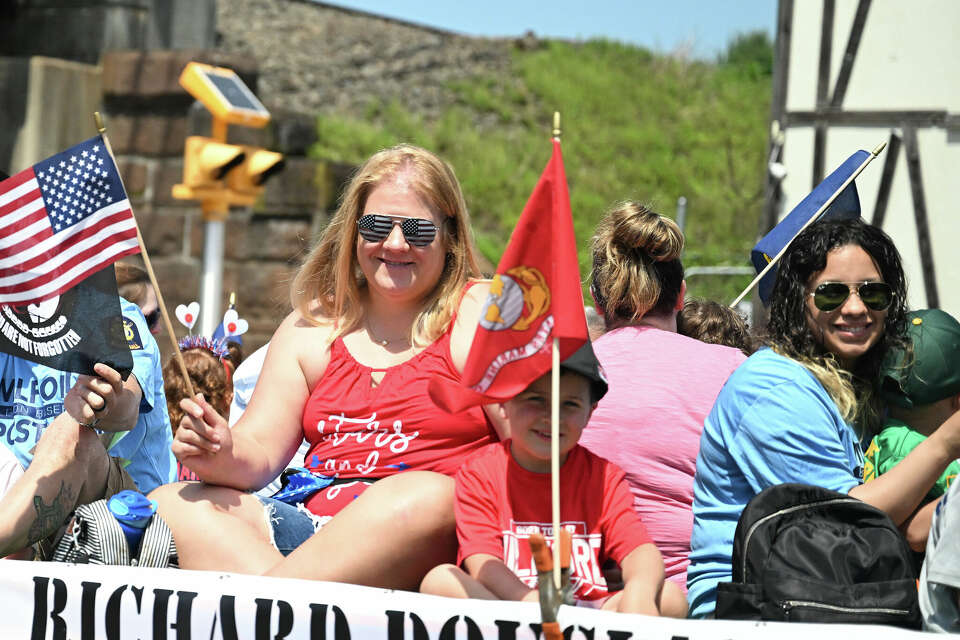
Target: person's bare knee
pixel 453 582
pixel 437 580
pixel 673 601
pixel 199 514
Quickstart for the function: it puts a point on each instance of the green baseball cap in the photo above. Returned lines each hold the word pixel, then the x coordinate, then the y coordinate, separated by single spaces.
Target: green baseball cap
pixel 932 372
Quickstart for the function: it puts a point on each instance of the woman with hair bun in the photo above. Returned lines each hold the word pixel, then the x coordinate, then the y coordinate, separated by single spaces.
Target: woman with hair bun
pixel 801 409
pixel 662 384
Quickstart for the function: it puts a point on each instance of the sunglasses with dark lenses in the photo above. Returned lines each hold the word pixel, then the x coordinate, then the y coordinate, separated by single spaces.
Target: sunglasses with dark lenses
pixel 153 318
pixel 831 295
pixel 375 227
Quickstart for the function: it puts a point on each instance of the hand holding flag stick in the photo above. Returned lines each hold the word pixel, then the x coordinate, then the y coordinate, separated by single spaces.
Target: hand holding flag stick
pixel 98 120
pixel 552 595
pixel 816 216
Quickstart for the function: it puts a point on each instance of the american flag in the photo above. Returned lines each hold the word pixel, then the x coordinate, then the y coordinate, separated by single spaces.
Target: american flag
pixel 62 220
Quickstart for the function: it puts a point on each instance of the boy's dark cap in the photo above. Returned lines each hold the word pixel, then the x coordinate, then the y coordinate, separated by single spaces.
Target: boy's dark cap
pixel 932 372
pixel 584 361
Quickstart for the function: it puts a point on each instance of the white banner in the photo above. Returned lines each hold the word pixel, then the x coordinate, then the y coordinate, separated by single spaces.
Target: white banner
pixel 55 601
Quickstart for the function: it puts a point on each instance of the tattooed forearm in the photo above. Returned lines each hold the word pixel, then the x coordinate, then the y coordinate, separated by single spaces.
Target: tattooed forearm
pixel 52 516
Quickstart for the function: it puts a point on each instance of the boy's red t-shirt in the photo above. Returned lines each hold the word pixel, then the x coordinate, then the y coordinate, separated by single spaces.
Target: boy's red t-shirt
pixel 499 504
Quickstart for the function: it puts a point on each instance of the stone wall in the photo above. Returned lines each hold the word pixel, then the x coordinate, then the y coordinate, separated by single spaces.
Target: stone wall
pixel 317 58
pixel 81 30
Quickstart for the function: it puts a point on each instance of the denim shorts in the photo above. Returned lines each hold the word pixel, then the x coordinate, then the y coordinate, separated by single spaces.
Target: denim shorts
pixel 290 526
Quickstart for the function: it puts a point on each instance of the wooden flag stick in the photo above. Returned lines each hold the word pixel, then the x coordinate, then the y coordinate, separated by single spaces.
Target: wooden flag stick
pixel 813 218
pixel 555 458
pixel 555 429
pixel 149 267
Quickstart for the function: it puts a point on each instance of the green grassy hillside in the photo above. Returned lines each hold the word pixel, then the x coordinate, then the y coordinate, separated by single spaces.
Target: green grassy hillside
pixel 635 126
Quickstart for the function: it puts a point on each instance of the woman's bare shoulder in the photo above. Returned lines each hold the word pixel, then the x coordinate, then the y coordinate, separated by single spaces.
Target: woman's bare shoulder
pixel 468 316
pixel 472 301
pixel 306 340
pixel 296 323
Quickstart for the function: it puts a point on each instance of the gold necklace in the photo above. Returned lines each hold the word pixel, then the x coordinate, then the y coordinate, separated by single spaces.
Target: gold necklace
pixel 384 342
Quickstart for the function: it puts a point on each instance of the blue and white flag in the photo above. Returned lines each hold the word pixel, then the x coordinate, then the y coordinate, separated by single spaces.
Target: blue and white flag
pixel 847 205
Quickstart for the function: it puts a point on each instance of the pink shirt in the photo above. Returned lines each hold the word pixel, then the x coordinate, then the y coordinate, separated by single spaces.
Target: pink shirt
pixel 662 386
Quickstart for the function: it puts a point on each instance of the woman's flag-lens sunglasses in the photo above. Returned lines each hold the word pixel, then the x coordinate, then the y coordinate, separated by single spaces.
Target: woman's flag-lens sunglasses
pixel 375 227
pixel 829 296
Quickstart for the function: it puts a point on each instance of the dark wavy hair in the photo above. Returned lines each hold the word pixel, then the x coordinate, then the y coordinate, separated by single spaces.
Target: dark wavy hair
pixel 787 329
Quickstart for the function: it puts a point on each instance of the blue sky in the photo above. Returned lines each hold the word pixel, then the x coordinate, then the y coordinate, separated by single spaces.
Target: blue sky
pixel 701 28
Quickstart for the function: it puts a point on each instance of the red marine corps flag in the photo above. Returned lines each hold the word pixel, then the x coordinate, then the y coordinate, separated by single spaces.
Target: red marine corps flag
pixel 534 297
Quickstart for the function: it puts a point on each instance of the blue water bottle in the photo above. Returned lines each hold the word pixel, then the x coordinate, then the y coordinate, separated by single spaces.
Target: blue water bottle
pixel 133 511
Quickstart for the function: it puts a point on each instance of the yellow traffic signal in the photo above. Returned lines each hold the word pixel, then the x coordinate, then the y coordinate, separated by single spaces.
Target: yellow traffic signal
pixel 214 172
pixel 206 161
pixel 205 164
pixel 246 180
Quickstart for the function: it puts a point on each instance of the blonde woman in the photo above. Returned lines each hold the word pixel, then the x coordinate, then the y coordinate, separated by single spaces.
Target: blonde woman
pixel 799 410
pixel 662 384
pixel 383 303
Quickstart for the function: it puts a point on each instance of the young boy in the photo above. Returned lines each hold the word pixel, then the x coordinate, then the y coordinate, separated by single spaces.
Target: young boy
pixel 921 386
pixel 503 496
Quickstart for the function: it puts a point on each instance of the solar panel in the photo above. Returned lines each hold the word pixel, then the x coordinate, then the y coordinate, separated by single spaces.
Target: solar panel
pixel 224 94
pixel 234 91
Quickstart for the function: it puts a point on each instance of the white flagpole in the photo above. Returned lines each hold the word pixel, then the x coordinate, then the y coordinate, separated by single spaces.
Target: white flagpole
pixel 813 218
pixel 555 428
pixel 555 457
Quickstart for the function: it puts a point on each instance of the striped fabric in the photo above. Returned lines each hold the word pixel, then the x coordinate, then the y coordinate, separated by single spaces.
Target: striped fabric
pixel 95 537
pixel 375 227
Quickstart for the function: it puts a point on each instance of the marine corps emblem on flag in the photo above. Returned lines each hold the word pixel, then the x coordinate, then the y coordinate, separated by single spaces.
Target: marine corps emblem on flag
pixel 517 298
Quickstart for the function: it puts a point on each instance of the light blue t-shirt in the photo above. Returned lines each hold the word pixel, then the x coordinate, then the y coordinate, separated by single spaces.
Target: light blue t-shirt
pixel 773 422
pixel 31 396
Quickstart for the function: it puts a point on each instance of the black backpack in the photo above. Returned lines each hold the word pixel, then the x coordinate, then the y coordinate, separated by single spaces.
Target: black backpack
pixel 808 554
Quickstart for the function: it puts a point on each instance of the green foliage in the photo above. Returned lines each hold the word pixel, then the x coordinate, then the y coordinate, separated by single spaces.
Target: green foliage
pixel 751 53
pixel 635 126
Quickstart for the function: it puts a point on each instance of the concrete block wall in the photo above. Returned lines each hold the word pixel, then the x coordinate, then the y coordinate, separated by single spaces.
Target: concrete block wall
pixel 81 30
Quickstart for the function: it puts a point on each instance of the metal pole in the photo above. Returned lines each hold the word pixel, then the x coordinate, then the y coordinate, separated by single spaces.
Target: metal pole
pixel 211 281
pixel 682 214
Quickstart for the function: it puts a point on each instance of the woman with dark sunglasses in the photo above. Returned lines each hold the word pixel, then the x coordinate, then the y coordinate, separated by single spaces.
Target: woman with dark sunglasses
pixel 802 409
pixel 382 305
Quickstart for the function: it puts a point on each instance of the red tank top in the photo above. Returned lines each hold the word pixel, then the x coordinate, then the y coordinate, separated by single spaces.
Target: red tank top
pixel 356 430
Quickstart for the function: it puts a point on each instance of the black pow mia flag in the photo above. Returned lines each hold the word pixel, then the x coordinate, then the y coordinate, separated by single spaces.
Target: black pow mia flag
pixel 73 331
